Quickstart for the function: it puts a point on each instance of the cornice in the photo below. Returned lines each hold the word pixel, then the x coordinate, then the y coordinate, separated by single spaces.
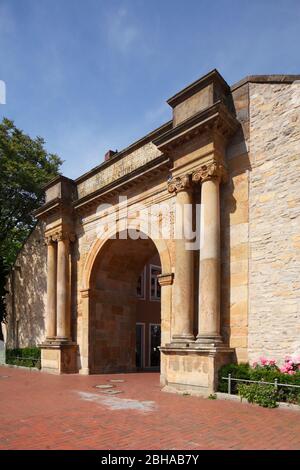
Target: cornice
pixel 48 208
pixel 214 118
pixel 57 179
pixel 268 79
pixel 211 77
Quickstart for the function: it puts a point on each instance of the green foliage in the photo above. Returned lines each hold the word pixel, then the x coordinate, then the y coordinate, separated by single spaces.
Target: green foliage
pixel 25 167
pixel 4 271
pixel 238 371
pixel 26 357
pixel 212 396
pixel 259 373
pixel 263 395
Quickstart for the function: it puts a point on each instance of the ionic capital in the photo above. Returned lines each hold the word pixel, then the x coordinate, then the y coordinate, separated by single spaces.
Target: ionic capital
pixel 210 171
pixel 61 235
pixel 49 240
pixel 179 183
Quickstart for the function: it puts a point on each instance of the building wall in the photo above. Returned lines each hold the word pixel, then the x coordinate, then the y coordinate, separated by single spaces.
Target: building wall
pixel 27 286
pixel 274 213
pixel 260 235
pixel 234 232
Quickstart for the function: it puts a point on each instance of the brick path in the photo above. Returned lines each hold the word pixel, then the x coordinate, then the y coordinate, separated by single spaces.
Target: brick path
pixel 39 411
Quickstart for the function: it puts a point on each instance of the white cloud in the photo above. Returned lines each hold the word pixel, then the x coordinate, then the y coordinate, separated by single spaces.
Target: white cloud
pixel 122 30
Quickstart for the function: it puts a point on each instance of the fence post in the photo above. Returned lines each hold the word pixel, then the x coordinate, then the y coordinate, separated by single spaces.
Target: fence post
pixel 229 384
pixel 276 384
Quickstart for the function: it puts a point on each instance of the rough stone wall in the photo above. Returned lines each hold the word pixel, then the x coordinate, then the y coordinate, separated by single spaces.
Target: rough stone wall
pixel 274 212
pixel 27 286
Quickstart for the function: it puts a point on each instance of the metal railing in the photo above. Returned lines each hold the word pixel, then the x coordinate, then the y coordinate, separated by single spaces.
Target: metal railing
pixel 275 383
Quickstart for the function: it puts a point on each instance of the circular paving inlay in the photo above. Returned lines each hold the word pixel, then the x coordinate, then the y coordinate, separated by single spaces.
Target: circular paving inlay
pixel 104 386
pixel 112 392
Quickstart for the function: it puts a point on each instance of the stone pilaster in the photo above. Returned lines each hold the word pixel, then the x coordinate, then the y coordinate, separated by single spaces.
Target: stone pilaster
pixel 184 275
pixel 63 287
pixel 51 288
pixel 209 176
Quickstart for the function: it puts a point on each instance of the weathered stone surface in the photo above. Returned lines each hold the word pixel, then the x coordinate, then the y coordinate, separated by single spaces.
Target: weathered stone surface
pixel 27 286
pixel 274 212
pixel 257 264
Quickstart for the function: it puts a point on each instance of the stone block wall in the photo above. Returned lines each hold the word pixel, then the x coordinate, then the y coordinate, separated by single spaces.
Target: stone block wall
pixel 27 286
pixel 274 221
pixel 260 236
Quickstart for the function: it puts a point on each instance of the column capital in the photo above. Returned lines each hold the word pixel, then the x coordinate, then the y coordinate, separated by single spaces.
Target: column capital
pixel 49 240
pixel 62 235
pixel 179 183
pixel 213 170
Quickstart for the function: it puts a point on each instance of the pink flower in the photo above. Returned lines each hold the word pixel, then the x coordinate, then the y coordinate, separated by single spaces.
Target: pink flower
pixel 291 372
pixel 263 361
pixel 272 362
pixel 255 364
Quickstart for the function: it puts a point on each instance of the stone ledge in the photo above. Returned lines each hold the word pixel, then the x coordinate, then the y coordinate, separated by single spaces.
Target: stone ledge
pixel 169 348
pixel 57 345
pixel 288 79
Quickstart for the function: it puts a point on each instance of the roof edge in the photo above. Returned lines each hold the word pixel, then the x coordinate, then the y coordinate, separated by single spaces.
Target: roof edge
pixel 134 146
pixel 288 79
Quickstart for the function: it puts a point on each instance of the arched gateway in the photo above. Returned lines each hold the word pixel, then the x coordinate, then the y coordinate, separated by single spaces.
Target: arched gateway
pixel 154 186
pixel 102 228
pixel 111 305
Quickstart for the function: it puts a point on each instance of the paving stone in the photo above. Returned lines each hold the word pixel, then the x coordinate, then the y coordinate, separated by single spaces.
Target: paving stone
pixel 58 417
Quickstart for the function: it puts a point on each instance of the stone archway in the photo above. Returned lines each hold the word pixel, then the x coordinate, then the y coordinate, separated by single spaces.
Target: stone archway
pixel 179 164
pixel 112 271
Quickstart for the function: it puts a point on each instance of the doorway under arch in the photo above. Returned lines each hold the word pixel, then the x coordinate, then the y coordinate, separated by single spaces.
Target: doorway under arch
pixel 124 330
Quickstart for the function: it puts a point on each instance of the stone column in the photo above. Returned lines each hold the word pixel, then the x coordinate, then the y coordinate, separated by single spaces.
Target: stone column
pixel 209 279
pixel 184 273
pixel 63 288
pixel 51 288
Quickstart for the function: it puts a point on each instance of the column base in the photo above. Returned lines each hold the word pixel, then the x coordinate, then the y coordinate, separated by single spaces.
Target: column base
pixel 182 339
pixel 209 340
pixel 193 369
pixel 59 357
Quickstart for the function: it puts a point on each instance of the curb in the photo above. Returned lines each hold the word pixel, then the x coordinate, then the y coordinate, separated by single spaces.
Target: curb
pixel 13 366
pixel 281 405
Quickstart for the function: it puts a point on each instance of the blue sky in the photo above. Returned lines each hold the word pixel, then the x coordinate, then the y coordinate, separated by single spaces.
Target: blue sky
pixel 90 75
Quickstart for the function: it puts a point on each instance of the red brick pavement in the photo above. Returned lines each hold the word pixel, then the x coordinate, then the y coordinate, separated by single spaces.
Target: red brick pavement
pixel 39 411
